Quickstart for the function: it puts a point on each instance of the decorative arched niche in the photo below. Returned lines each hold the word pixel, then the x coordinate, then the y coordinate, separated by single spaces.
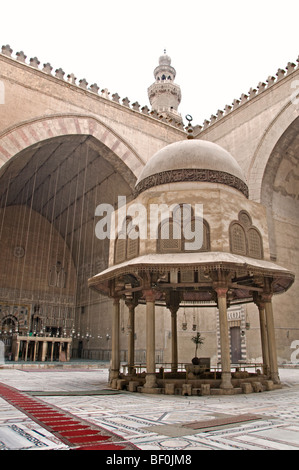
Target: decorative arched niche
pixel 175 233
pixel 127 242
pixel 245 239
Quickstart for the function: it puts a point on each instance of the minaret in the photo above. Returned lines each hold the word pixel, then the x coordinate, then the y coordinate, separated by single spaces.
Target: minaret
pixel 164 95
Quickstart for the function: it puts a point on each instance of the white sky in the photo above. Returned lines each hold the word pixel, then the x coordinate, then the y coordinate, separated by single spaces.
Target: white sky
pixel 220 49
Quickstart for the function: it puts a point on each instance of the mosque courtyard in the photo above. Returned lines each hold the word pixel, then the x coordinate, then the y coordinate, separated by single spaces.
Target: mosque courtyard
pixel 31 396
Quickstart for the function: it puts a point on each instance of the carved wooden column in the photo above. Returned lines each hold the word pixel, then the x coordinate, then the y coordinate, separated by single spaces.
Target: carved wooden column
pixel 150 340
pixel 267 298
pixel 264 337
pixel 224 337
pixel 115 356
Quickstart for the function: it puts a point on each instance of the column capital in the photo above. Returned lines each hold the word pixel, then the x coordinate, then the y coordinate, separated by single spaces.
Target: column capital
pixel 259 301
pixel 173 300
pixel 149 295
pixel 220 290
pixel 116 300
pixel 173 308
pixel 132 303
pixel 260 304
pixel 267 294
pixel 266 297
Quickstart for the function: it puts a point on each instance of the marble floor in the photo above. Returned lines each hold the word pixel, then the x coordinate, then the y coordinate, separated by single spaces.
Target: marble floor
pixel 151 422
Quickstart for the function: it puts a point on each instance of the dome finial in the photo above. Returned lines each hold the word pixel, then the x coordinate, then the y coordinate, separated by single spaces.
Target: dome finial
pixel 189 128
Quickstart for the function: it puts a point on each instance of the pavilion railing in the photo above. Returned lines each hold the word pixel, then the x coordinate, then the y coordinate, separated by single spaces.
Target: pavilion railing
pixel 163 367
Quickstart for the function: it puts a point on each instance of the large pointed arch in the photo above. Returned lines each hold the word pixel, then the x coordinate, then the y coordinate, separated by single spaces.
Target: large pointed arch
pixel 13 141
pixel 288 115
pixel 56 170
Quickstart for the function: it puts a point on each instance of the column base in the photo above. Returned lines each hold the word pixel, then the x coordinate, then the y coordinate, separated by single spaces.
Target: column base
pixel 151 391
pixel 150 381
pixel 151 385
pixel 226 378
pixel 275 378
pixel 113 375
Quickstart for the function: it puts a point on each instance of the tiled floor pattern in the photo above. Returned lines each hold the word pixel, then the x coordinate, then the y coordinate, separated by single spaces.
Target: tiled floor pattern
pixel 154 422
pixel 157 423
pixel 74 433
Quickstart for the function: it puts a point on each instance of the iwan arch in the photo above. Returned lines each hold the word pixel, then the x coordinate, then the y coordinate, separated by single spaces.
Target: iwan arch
pixel 66 147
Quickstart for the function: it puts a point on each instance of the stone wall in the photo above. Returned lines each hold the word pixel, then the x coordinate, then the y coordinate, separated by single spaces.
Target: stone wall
pixel 37 269
pixel 32 92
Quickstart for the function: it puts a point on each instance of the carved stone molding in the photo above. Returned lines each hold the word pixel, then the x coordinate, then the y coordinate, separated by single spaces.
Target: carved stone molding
pixel 195 174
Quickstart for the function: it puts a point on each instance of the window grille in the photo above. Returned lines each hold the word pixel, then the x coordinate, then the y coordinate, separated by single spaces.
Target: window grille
pixel 245 239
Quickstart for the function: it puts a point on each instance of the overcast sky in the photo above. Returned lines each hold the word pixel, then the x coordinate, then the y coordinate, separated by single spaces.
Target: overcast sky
pixel 220 49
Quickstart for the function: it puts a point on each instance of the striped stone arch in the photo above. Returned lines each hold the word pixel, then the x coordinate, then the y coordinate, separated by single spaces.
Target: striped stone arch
pixel 29 133
pixel 266 145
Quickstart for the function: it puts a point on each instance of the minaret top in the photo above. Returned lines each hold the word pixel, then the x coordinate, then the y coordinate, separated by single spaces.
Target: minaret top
pixel 164 95
pixel 164 59
pixel 164 71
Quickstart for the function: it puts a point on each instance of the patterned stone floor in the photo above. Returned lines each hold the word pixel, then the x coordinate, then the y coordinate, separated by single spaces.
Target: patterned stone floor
pixel 152 422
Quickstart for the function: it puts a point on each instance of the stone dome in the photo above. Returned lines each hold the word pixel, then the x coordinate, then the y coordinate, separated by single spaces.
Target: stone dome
pixel 192 160
pixel 164 59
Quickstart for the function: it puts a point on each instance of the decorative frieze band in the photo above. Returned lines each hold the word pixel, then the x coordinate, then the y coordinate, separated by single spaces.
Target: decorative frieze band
pixel 192 174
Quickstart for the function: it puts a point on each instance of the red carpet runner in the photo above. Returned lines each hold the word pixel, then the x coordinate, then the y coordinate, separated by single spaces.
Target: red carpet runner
pixel 76 433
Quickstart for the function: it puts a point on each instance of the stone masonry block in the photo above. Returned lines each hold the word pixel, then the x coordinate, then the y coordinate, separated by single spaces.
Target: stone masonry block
pixel 187 389
pixel 121 383
pixel 114 384
pixel 132 387
pixel 257 387
pixel 205 389
pixel 269 385
pixel 169 389
pixel 246 387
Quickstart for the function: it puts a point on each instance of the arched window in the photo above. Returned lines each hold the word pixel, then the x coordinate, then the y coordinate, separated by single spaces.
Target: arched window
pixel 120 249
pixel 133 243
pixel 127 243
pixel 202 237
pixel 9 324
pixel 245 239
pixel 177 234
pixel 255 248
pixel 238 239
pixel 170 237
pixel 245 219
